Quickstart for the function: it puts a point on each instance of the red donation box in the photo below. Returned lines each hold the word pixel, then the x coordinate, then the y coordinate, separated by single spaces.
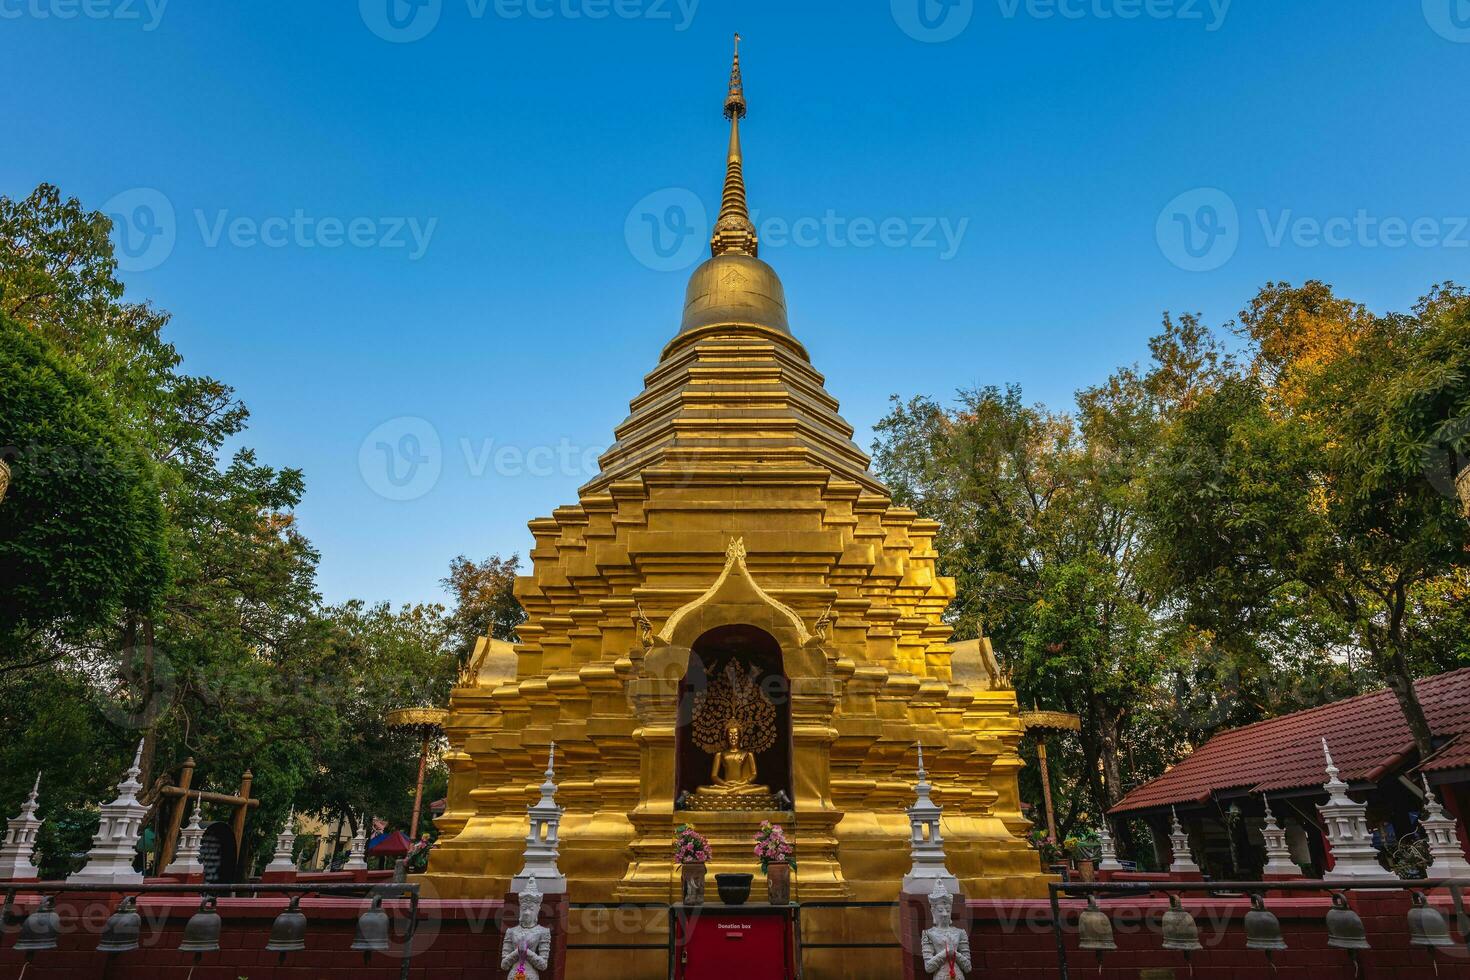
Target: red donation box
pixel 734 942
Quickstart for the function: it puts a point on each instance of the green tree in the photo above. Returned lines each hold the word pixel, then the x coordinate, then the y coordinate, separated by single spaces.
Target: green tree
pixel 1314 484
pixel 82 526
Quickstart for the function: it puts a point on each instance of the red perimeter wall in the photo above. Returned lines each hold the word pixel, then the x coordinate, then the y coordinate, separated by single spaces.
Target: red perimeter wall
pixel 1010 941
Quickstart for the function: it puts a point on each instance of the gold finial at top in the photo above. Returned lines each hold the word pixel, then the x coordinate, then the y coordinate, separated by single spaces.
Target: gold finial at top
pixel 734 231
pixel 735 101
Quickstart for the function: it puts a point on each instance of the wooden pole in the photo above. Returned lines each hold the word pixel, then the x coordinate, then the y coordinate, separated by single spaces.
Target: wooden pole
pixel 1051 817
pixel 241 810
pixel 171 839
pixel 418 793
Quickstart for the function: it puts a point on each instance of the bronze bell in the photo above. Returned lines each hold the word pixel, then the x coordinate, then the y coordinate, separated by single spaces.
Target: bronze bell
pixel 1262 928
pixel 201 933
pixel 1344 927
pixel 288 932
pixel 1180 931
pixel 1426 926
pixel 40 928
pixel 120 934
pixel 372 930
pixel 1095 929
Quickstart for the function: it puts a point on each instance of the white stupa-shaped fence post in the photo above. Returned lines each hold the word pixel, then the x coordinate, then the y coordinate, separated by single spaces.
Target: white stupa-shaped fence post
pixel 1278 854
pixel 357 850
pixel 543 844
pixel 283 861
pixel 1445 852
pixel 1108 850
pixel 1348 836
pixel 17 854
pixel 1182 861
pixel 929 870
pixel 110 862
pixel 186 859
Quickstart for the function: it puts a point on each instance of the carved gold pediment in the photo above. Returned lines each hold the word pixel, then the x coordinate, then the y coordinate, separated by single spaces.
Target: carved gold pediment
pixel 735 586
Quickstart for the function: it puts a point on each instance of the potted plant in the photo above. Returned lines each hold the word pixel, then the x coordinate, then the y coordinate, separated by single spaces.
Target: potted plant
pixel 1047 847
pixel 775 851
pixel 691 854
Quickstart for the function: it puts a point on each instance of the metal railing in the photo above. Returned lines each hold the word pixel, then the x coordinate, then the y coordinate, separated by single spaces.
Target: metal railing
pixel 364 890
pixel 1223 889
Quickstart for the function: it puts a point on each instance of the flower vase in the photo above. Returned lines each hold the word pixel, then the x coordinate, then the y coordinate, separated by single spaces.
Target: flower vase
pixel 693 875
pixel 778 883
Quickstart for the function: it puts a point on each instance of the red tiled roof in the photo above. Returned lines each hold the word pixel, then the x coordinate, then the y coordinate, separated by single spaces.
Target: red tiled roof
pixel 1367 735
pixel 1455 755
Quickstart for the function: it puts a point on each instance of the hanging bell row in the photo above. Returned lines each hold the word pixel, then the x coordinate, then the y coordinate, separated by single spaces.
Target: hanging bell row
pixel 41 930
pixel 1428 928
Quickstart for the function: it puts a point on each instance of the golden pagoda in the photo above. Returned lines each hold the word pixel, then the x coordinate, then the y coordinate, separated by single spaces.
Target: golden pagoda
pixel 734 623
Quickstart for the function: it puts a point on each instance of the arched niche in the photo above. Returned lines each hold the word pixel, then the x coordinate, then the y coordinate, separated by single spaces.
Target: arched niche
pixel 734 598
pixel 753 653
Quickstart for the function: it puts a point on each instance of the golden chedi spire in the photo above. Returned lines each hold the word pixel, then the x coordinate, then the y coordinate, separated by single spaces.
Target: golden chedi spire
pixel 734 287
pixel 734 392
pixel 733 229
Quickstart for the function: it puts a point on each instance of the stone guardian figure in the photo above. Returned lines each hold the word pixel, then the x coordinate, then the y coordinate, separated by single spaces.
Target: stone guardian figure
pixel 526 950
pixel 946 949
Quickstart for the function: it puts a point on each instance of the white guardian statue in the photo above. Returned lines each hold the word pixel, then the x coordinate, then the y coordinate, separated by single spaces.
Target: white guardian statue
pixel 526 950
pixel 946 948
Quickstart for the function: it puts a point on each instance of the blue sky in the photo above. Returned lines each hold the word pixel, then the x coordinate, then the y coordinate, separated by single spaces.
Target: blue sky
pixel 433 222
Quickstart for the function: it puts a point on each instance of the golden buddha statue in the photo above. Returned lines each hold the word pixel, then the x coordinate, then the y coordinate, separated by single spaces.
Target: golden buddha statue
pixel 734 770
